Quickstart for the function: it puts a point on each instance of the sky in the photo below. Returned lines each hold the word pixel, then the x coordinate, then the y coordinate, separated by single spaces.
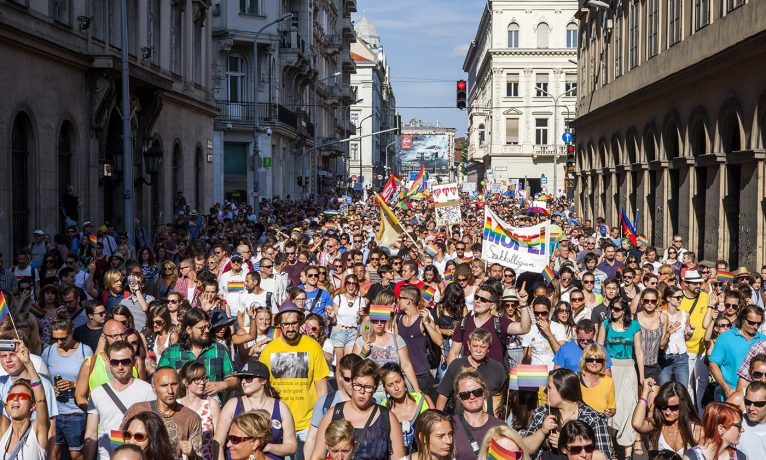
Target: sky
pixel 425 42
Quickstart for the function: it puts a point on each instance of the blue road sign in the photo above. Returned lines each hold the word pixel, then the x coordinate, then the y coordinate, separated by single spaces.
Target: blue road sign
pixel 567 137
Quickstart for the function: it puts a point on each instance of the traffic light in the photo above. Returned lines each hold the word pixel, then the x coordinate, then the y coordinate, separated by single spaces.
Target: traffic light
pixel 570 155
pixel 461 89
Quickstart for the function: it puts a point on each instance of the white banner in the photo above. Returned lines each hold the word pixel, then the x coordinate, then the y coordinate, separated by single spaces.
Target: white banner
pixel 469 187
pixel 445 193
pixel 522 248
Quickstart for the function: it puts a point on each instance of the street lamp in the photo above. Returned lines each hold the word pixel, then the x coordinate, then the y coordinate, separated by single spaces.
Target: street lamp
pixel 256 132
pixel 598 4
pixel 555 132
pixel 359 128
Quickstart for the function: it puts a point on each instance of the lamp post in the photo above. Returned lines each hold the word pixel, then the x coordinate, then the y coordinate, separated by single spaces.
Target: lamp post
pixel 555 133
pixel 359 128
pixel 316 130
pixel 127 135
pixel 255 201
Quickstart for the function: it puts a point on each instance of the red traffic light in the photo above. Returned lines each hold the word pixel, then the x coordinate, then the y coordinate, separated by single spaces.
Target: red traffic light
pixel 461 85
pixel 570 148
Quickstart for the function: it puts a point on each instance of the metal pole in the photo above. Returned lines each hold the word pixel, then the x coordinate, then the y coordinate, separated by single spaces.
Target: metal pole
pixel 127 135
pixel 360 144
pixel 555 146
pixel 255 201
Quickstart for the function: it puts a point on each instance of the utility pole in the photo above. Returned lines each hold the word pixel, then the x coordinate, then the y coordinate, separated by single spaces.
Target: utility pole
pixel 127 135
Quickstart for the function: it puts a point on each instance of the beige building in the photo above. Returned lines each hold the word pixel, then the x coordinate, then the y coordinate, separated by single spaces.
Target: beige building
pixel 670 121
pixel 60 123
pixel 519 60
pixel 298 101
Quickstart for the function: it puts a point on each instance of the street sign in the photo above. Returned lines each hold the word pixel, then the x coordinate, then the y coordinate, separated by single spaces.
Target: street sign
pixel 266 162
pixel 543 180
pixel 567 137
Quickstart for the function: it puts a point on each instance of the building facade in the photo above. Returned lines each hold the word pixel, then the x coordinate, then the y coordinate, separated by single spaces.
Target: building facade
pixel 293 101
pixel 670 121
pixel 60 123
pixel 428 145
pixel 519 61
pixel 370 158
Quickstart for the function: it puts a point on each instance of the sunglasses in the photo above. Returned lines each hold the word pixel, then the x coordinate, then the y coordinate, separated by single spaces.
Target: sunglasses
pixel 671 407
pixel 588 282
pixel 466 395
pixel 60 339
pixel 237 439
pixel 346 379
pixel 754 403
pixel 577 450
pixel 752 323
pixel 595 360
pixel 482 299
pixel 616 308
pixel 541 313
pixel 650 301
pixel 731 306
pixel 121 362
pixel 266 266
pixel 577 299
pixel 677 297
pixel 723 325
pixel 757 375
pixel 462 280
pixel 312 275
pixel 378 321
pixel 138 437
pixel 18 397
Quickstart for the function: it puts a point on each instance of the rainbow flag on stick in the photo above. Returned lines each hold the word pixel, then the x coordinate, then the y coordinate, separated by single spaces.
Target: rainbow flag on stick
pixel 548 274
pixel 643 241
pixel 235 286
pixel 431 249
pixel 498 452
pixel 328 227
pixel 724 277
pixel 528 377
pixel 428 293
pixel 116 438
pixel 274 333
pixel 449 275
pixel 93 240
pixel 380 313
pixel 4 310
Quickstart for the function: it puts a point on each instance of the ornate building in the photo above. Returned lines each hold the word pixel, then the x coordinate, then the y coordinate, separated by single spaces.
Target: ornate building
pixel 61 124
pixel 670 121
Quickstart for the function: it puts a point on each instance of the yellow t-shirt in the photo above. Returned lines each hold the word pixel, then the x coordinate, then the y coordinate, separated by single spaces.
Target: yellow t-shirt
pixel 696 343
pixel 600 397
pixel 294 371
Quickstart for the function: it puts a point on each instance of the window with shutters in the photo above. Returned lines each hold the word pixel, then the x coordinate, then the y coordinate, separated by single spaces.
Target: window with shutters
pixel 176 40
pixel 511 131
pixel 541 85
pixel 512 85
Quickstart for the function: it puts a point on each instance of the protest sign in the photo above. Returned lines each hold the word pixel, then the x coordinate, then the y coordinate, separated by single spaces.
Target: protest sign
pixel 524 249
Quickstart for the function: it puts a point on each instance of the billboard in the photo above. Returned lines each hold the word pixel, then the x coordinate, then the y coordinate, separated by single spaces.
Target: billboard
pixel 433 150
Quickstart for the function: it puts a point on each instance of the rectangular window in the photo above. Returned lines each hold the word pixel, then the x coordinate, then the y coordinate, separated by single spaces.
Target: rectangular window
pixel 511 131
pixel 541 85
pixel 60 11
pixel 701 13
pixel 541 131
pixel 153 29
pixel 635 16
pixel 674 22
pixel 652 27
pixel 618 22
pixel 97 28
pixel 732 4
pixel 249 7
pixel 571 37
pixel 114 22
pixel 570 85
pixel 513 38
pixel 197 52
pixel 176 40
pixel 512 85
pixel 132 8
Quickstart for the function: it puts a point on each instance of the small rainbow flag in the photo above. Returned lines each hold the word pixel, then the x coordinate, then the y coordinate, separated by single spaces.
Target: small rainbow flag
pixel 449 275
pixel 724 277
pixel 116 438
pixel 404 205
pixel 274 333
pixel 235 286
pixel 328 227
pixel 642 241
pixel 428 293
pixel 498 452
pixel 4 311
pixel 93 239
pixel 431 249
pixel 380 313
pixel 37 311
pixel 528 377
pixel 548 274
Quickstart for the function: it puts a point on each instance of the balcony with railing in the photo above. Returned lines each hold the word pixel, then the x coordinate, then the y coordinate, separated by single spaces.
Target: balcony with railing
pixel 548 150
pixel 333 44
pixel 293 48
pixel 241 115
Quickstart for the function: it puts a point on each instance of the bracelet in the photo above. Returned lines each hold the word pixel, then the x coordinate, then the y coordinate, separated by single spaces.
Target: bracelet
pixel 643 400
pixel 363 354
pixel 35 383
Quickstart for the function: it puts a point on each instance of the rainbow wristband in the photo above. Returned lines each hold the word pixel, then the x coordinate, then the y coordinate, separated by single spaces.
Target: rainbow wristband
pixel 35 383
pixel 643 400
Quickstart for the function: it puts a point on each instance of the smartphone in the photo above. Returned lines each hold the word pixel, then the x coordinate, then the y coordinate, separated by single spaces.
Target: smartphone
pixel 132 281
pixel 7 345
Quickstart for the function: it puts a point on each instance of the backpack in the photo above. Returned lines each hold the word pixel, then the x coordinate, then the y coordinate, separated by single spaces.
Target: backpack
pixel 498 331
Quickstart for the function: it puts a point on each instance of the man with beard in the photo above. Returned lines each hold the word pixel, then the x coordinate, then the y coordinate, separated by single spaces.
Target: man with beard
pixel 298 368
pixel 194 344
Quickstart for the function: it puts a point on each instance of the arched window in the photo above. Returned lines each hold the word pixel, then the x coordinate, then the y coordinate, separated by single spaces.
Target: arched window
pixel 21 146
pixel 572 35
pixel 543 31
pixel 199 173
pixel 482 134
pixel 513 35
pixel 177 172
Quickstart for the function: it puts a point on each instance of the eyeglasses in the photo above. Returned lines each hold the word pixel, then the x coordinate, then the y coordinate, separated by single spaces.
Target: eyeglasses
pixel 290 324
pixel 201 380
pixel 237 439
pixel 308 328
pixel 346 379
pixel 576 450
pixel 121 362
pixel 752 323
pixel 754 403
pixel 174 301
pixel 482 299
pixel 466 395
pixel 462 280
pixel 650 301
pixel 362 388
pixel 723 325
pixel 18 397
pixel 757 375
pixel 540 313
pixel 731 306
pixel 588 282
pixel 595 360
pixel 266 266
pixel 671 407
pixel 677 297
pixel 138 437
pixel 300 300
pixel 158 323
pixel 615 308
pixel 122 335
pixel 737 425
pixel 312 275
pixel 564 310
pixel 60 339
pixel 577 299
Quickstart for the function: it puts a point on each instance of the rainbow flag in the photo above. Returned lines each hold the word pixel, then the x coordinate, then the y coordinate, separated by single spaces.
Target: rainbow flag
pixel 643 241
pixel 428 293
pixel 4 310
pixel 380 313
pixel 235 286
pixel 528 377
pixel 404 205
pixel 328 227
pixel 498 452
pixel 274 333
pixel 724 277
pixel 93 239
pixel 548 274
pixel 37 311
pixel 418 185
pixel 431 249
pixel 449 275
pixel 116 438
pixel 628 228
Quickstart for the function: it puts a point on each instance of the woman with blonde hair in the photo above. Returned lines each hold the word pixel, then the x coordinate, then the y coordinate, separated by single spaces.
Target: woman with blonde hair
pixel 503 439
pixel 339 439
pixel 434 431
pixel 597 387
pixel 248 435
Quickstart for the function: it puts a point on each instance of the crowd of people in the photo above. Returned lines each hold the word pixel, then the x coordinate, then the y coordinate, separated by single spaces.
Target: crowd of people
pixel 300 335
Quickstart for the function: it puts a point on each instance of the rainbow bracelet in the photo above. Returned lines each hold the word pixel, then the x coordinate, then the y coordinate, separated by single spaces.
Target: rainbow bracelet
pixel 35 383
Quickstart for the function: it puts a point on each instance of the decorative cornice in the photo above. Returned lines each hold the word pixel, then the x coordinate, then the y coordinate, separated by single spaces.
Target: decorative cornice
pixel 571 52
